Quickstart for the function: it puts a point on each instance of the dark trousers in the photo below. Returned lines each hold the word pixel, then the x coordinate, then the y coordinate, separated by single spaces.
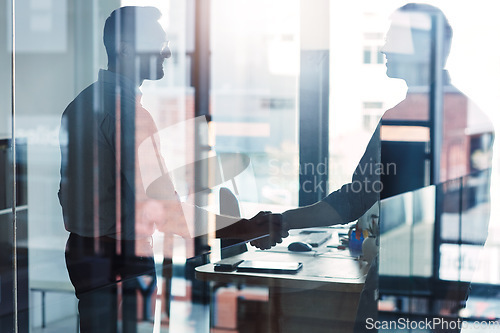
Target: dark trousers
pixel 368 300
pixel 95 268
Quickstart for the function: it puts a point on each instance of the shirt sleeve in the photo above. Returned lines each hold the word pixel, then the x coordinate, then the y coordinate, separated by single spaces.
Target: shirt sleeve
pixel 352 200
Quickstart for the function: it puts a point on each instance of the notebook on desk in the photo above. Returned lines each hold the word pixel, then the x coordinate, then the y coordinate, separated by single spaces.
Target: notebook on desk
pixel 274 267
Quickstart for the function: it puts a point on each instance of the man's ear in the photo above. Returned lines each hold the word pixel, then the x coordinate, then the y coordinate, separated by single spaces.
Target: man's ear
pixel 126 50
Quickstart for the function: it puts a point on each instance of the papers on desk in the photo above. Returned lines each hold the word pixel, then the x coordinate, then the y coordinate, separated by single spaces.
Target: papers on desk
pixel 323 252
pixel 326 249
pixel 274 267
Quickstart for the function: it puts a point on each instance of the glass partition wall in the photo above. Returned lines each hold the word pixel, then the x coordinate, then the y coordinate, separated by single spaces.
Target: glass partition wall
pixel 138 146
pixel 7 169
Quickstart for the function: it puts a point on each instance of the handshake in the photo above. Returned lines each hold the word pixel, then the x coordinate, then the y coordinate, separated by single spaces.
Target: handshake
pixel 264 230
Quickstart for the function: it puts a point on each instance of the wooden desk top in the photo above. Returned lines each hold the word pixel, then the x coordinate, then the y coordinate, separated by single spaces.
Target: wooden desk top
pixel 323 270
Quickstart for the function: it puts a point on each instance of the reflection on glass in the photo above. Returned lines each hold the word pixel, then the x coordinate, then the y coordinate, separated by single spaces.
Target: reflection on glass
pixel 433 138
pixel 213 135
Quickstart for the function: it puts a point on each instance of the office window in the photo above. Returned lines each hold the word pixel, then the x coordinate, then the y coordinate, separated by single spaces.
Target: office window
pixel 252 97
pixel 372 51
pixel 372 112
pixel 254 93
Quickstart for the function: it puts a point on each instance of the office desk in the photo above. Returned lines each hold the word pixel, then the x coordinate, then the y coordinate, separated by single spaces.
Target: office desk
pixel 322 297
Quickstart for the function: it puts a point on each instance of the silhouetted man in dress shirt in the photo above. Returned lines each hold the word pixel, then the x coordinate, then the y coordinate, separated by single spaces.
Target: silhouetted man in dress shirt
pixel 106 206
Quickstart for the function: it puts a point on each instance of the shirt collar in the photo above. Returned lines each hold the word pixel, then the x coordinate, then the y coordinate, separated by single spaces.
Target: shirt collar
pixel 447 86
pixel 125 83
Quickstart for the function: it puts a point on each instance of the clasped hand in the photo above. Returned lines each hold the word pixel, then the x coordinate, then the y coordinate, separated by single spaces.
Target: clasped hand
pixel 270 229
pixel 264 230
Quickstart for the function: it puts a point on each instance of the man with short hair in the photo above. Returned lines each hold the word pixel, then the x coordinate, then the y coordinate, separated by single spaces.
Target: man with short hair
pixel 402 138
pixel 100 193
pixel 106 207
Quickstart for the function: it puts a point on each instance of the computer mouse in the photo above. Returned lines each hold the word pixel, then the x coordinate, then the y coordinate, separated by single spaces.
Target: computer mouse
pixel 299 247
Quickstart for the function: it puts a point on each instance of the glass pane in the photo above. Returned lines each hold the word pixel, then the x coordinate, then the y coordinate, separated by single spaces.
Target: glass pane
pixel 367 56
pixel 9 312
pixel 380 57
pixel 254 102
pixel 255 63
pixel 145 148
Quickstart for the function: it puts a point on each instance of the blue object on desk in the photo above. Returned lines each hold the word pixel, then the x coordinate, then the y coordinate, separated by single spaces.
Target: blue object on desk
pixel 356 245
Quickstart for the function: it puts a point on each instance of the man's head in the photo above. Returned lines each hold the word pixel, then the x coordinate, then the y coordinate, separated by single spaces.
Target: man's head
pixel 409 42
pixel 136 43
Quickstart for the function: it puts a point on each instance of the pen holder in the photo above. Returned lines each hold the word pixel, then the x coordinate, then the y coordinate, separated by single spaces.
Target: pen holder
pixel 355 241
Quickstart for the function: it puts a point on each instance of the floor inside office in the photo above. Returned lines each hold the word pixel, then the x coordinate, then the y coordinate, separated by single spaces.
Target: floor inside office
pixel 68 325
pixel 186 318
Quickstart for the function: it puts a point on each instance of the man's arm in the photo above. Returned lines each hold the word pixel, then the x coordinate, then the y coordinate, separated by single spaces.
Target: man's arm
pixel 262 224
pixel 348 203
pixel 316 215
